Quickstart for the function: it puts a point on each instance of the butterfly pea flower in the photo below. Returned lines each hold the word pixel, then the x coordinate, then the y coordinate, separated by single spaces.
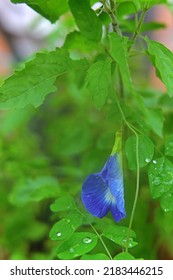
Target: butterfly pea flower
pixel 104 191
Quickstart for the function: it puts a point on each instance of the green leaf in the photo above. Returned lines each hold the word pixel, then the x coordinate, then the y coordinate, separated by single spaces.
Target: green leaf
pixel 36 80
pixel 166 200
pixel 51 9
pixel 98 80
pixel 169 145
pixel 65 203
pixel 126 8
pixel 88 23
pixel 162 60
pixel 155 119
pixel 124 256
pixel 79 244
pixel 146 151
pixel 160 174
pixel 98 256
pixel 147 26
pixel 78 43
pixel 144 1
pixel 34 190
pixel 65 228
pixel 118 50
pixel 118 234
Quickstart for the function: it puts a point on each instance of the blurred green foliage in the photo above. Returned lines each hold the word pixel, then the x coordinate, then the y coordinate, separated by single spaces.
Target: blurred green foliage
pixel 46 152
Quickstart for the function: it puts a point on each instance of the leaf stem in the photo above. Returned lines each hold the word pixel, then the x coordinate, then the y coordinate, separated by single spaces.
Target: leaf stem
pixel 96 232
pixel 104 245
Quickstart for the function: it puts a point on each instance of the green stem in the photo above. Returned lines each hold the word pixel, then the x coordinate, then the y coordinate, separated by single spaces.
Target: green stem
pixel 136 193
pixel 111 10
pixel 104 245
pixel 96 232
pixel 139 25
pixel 137 174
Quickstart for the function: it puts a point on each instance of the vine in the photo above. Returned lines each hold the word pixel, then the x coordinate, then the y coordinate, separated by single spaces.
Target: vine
pixel 66 149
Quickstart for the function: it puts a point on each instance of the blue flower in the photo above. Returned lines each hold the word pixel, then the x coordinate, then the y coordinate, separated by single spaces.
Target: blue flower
pixel 104 191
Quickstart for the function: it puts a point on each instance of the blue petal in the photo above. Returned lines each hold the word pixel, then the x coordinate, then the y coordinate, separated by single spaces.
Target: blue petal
pixel 112 175
pixel 95 195
pixel 118 213
pixel 104 191
pixel 111 170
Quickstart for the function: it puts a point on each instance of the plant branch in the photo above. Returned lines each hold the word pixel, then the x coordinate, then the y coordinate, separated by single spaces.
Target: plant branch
pixel 111 10
pixel 139 25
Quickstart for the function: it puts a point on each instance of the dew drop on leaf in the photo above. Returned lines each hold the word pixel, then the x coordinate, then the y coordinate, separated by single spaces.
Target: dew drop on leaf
pixel 147 160
pixel 58 234
pixel 87 240
pixel 154 161
pixel 71 250
pixel 130 244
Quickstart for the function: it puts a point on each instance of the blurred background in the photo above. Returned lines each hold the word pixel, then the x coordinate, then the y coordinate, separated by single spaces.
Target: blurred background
pixel 59 143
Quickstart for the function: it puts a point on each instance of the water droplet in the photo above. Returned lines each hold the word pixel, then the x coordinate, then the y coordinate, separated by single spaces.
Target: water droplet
pixel 130 242
pixel 71 250
pixel 147 160
pixel 154 161
pixel 58 234
pixel 87 240
pixel 67 220
pixel 166 210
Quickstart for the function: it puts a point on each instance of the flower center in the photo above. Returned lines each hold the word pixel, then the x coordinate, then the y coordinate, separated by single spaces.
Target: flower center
pixel 109 197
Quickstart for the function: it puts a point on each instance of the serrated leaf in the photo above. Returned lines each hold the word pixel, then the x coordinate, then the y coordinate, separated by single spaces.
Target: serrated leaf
pixel 98 80
pixel 160 175
pixel 145 147
pixel 65 228
pixel 166 200
pixel 51 9
pixel 124 256
pixel 98 256
pixel 169 145
pixel 118 50
pixel 78 244
pixel 65 203
pixel 118 234
pixel 75 41
pixel 162 60
pixel 86 19
pixel 34 190
pixel 36 80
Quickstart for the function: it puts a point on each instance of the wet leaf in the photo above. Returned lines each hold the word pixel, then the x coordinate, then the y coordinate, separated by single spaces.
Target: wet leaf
pixel 79 244
pixel 118 234
pixel 160 174
pixel 64 203
pixel 146 151
pixel 64 228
